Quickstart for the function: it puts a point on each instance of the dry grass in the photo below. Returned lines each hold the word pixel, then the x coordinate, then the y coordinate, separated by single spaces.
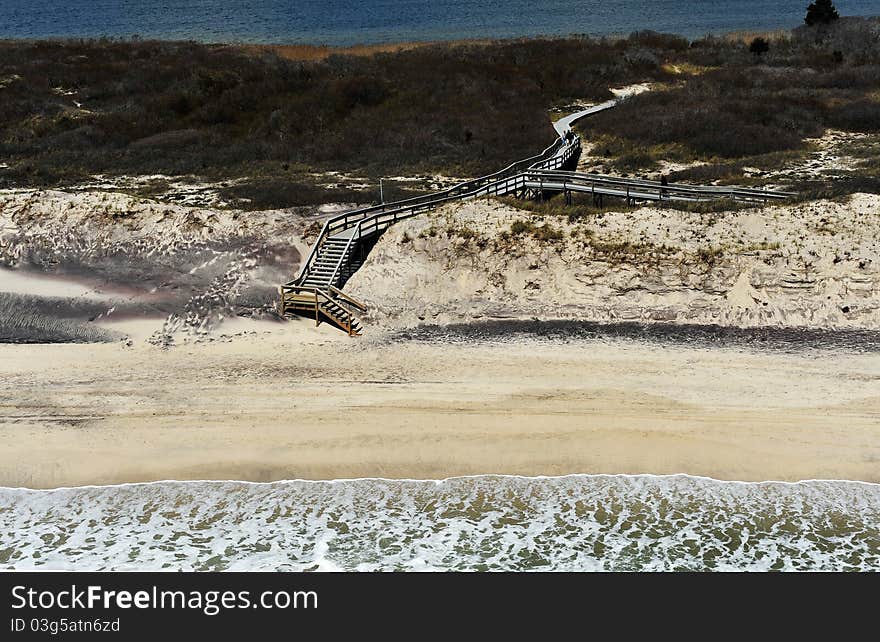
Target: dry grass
pixel 746 37
pixel 685 69
pixel 312 53
pixel 730 110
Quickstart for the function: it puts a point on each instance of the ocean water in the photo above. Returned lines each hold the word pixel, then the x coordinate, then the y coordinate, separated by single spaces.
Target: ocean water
pixel 340 22
pixel 483 523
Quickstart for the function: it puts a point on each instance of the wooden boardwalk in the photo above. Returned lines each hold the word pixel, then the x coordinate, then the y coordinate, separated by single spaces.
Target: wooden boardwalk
pixel 346 239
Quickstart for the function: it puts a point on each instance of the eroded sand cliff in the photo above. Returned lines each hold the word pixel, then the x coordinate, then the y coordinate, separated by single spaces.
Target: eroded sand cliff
pixel 804 265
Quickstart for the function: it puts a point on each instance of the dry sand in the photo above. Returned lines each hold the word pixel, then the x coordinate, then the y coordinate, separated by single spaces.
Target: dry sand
pixel 281 401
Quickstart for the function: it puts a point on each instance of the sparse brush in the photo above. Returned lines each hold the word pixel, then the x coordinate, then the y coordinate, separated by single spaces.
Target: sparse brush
pixel 520 226
pixel 544 233
pixel 717 206
pixel 547 233
pixel 710 255
pixel 737 113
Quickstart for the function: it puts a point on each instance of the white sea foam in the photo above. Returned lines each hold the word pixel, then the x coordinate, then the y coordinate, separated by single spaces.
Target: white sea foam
pixel 576 522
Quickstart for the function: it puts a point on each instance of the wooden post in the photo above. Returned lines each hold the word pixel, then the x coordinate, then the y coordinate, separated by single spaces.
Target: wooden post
pixel 317 316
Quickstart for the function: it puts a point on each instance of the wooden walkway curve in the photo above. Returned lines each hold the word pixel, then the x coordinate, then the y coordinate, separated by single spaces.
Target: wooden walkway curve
pixel 346 239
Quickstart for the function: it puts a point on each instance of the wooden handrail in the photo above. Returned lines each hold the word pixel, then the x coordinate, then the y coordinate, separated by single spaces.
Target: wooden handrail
pixel 341 221
pixel 347 324
pixel 708 189
pixel 640 188
pixel 347 297
pixel 549 160
pixel 427 202
pixel 357 230
pixel 570 180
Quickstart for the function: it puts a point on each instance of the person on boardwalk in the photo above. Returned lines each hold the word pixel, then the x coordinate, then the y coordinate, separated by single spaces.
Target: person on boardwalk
pixel 664 182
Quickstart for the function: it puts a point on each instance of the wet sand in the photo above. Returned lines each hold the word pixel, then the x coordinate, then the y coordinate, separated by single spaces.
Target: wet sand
pixel 283 401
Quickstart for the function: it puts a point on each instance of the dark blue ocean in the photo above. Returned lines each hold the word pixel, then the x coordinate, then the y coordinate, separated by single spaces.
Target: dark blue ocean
pixel 344 22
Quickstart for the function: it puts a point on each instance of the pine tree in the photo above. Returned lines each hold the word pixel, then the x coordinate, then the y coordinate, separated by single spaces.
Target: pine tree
pixel 821 12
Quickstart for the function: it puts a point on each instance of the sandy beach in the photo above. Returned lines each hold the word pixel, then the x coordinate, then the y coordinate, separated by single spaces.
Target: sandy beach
pixel 178 370
pixel 273 401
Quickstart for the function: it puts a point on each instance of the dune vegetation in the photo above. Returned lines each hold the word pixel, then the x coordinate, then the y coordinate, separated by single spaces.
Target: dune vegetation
pixel 272 122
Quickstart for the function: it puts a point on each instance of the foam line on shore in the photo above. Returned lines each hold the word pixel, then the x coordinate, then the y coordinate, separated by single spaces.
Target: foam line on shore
pixel 701 478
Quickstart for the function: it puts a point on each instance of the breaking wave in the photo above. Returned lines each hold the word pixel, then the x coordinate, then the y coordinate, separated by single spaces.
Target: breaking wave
pixel 481 523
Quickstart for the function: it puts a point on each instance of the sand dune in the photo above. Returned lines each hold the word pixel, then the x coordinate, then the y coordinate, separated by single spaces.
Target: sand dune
pixel 804 265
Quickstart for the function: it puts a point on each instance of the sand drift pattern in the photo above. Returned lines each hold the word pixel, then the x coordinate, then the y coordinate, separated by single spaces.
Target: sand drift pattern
pixel 611 523
pixel 30 319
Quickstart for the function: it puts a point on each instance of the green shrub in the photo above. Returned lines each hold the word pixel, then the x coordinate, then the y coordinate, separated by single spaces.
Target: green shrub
pixel 544 233
pixel 462 232
pixel 759 46
pixel 710 255
pixel 519 227
pixel 547 233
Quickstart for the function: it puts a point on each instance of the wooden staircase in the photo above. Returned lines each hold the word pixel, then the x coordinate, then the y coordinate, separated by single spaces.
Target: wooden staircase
pixel 330 263
pixel 347 238
pixel 326 305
